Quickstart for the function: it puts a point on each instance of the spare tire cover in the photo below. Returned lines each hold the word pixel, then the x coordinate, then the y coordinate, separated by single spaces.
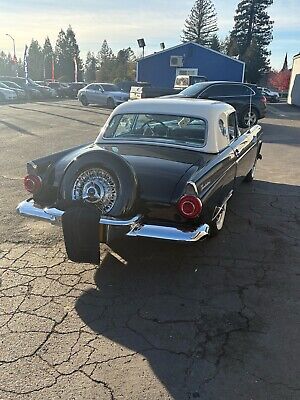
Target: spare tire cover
pixel 118 169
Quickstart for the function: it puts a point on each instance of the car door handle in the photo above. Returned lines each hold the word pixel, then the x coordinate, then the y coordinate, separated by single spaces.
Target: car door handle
pixel 237 152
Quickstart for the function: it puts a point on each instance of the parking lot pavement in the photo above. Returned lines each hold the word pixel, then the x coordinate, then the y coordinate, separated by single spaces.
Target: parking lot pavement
pixel 213 320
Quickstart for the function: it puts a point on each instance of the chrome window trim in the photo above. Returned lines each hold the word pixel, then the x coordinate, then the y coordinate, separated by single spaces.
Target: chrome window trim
pixel 233 84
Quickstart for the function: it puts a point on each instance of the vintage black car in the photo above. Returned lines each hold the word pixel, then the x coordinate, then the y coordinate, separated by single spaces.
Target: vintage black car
pixel 160 168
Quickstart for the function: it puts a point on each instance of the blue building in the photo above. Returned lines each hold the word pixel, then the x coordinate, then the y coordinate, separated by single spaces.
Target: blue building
pixel 161 68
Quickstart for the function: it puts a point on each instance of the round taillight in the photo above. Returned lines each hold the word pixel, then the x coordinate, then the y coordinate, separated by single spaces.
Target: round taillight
pixel 32 183
pixel 190 206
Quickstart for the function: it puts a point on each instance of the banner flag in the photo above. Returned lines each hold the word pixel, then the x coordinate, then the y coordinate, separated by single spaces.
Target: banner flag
pixel 75 70
pixel 52 70
pixel 26 63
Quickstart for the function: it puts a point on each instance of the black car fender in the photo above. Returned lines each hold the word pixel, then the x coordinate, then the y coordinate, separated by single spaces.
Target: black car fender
pixel 120 170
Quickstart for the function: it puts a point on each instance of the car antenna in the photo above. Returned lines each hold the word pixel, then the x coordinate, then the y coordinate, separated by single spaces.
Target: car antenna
pixel 250 108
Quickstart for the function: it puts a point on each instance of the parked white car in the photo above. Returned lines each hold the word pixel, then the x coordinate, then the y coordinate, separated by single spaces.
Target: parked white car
pixel 104 94
pixel 7 95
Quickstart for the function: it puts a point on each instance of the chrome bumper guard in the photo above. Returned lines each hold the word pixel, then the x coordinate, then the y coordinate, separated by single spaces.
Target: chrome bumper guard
pixel 28 208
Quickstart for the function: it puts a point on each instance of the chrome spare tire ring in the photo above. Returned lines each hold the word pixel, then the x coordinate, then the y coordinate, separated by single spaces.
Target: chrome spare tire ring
pixel 96 186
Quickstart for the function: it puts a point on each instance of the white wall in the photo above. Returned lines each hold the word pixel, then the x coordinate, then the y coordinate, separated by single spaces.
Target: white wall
pixel 294 90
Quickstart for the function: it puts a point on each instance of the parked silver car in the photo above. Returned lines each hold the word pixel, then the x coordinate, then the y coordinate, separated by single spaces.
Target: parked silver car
pixel 104 94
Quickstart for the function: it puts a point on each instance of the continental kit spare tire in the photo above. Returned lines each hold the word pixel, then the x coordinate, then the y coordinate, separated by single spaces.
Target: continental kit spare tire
pixel 96 179
pixel 100 177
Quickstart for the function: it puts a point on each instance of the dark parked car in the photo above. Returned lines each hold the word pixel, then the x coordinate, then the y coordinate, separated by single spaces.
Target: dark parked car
pixel 160 168
pixel 62 89
pixel 237 94
pixel 75 87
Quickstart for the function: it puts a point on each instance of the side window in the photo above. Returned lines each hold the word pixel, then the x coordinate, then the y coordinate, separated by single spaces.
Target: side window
pixel 125 124
pixel 233 131
pixel 212 92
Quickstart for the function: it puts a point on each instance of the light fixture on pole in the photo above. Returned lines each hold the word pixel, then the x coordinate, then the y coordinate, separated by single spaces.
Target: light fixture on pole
pixel 15 61
pixel 162 45
pixel 142 45
pixel 7 34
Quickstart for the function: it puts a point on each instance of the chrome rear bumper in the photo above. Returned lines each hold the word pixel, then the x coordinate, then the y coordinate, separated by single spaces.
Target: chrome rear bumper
pixel 135 226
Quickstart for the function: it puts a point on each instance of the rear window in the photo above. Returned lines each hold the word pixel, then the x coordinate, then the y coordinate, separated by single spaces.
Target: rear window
pixel 225 90
pixel 193 90
pixel 152 127
pixel 110 88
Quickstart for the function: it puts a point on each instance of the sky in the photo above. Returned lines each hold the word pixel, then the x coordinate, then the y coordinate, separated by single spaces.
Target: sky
pixel 122 22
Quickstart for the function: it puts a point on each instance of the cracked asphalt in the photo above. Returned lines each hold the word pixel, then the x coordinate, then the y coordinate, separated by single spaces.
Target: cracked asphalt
pixel 213 320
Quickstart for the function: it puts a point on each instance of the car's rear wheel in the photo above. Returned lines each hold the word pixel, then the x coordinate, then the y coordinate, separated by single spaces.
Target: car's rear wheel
pixel 248 118
pixel 84 101
pixel 217 222
pixel 110 103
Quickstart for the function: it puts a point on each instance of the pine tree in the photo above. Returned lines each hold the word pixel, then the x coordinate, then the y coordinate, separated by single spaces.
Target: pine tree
pixel 125 65
pixel 61 55
pixel 105 53
pixel 5 67
pixel 48 57
pixel 252 34
pixel 91 64
pixel 215 43
pixel 35 61
pixel 106 61
pixel 201 24
pixel 66 52
pixel 73 54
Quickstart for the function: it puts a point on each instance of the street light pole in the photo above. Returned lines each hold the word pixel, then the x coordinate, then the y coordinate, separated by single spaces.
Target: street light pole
pixel 15 57
pixel 7 34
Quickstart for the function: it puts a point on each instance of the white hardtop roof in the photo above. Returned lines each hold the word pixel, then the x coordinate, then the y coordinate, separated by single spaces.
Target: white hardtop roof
pixel 196 108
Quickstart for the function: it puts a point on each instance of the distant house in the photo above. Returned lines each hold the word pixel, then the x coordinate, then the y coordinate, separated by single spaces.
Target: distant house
pixel 294 90
pixel 161 68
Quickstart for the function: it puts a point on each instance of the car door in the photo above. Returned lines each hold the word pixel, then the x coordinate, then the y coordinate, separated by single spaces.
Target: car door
pixel 89 93
pixel 244 146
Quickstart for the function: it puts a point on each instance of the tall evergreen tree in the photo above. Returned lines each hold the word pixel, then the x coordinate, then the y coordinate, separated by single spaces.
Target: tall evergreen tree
pixel 215 43
pixel 5 67
pixel 125 64
pixel 35 61
pixel 201 24
pixel 48 56
pixel 252 34
pixel 61 55
pixel 67 51
pixel 105 53
pixel 73 54
pixel 106 61
pixel 91 64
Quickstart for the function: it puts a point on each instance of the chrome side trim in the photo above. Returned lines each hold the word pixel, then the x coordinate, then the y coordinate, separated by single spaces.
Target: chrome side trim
pixel 169 233
pixel 219 209
pixel 27 208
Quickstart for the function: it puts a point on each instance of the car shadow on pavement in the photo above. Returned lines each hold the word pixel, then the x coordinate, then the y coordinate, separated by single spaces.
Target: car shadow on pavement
pixel 102 111
pixel 17 128
pixel 284 111
pixel 197 315
pixel 56 115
